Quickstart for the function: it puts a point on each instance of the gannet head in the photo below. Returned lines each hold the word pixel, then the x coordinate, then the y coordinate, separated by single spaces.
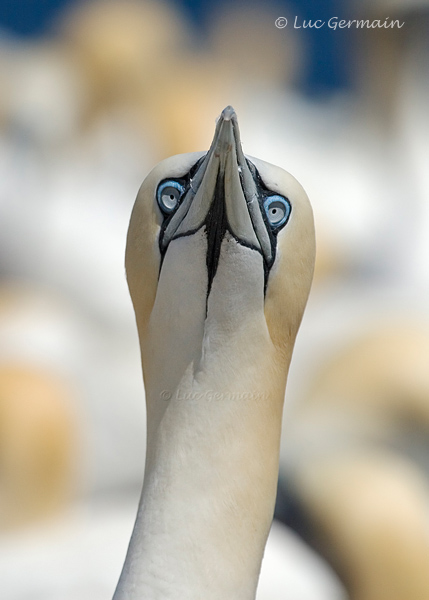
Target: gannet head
pixel 219 261
pixel 219 243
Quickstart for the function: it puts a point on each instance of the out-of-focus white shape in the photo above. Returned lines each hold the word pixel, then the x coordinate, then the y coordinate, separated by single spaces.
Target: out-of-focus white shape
pixel 413 139
pixel 44 93
pixel 39 328
pixel 64 219
pixel 290 570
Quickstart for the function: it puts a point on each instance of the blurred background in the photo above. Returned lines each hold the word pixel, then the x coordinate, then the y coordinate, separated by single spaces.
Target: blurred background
pixel 93 95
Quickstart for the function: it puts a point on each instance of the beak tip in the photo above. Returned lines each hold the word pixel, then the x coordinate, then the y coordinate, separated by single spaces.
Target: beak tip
pixel 228 113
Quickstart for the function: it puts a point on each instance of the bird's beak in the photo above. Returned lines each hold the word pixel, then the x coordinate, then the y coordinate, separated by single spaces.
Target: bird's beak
pixel 223 196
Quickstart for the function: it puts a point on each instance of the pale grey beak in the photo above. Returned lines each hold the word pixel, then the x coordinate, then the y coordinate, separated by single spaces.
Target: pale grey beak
pixel 224 185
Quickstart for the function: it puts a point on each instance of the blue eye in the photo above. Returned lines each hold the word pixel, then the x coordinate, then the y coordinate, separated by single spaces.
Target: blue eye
pixel 277 210
pixel 168 195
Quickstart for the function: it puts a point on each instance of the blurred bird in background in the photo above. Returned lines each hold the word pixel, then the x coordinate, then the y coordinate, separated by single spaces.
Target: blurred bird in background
pixel 93 95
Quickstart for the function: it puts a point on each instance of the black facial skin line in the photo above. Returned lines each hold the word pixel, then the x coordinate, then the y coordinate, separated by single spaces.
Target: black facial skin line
pixel 264 193
pixel 186 182
pixel 216 222
pixel 216 225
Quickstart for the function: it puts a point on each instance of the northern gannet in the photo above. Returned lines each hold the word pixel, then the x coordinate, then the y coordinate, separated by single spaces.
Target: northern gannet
pixel 219 262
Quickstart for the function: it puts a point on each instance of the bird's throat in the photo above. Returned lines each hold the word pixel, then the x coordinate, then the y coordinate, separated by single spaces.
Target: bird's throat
pixel 214 394
pixel 208 497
